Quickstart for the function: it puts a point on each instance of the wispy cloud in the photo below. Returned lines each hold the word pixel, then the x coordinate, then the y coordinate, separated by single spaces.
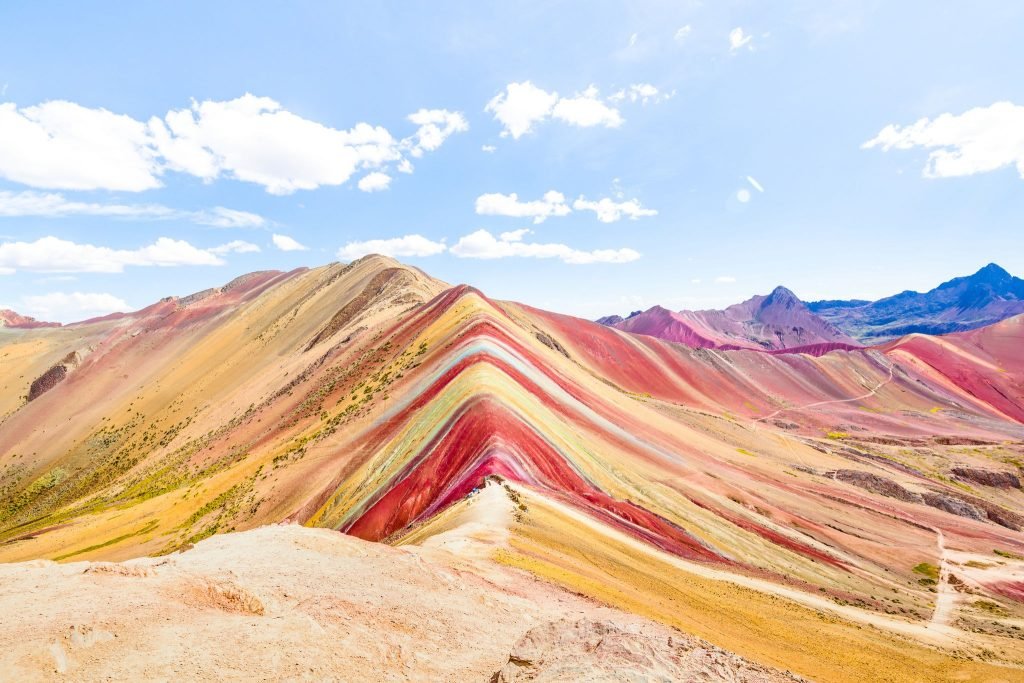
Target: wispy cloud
pixel 55 255
pixel 56 205
pixel 235 247
pixel 374 182
pixel 553 203
pixel 497 204
pixel 407 245
pixel 610 211
pixel 483 245
pixel 72 306
pixel 644 93
pixel 738 40
pixel 520 107
pixel 286 243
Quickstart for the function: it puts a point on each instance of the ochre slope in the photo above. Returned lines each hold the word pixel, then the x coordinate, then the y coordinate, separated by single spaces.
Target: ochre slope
pixel 370 398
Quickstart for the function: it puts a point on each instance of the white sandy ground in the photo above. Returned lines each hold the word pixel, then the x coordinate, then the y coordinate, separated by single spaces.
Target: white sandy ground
pixel 295 604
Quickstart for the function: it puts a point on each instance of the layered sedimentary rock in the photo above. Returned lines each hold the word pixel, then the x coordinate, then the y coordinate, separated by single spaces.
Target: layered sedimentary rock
pixel 696 487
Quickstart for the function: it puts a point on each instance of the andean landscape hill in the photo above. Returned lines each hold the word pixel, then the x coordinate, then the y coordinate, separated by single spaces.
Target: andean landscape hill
pixel 781 321
pixel 524 495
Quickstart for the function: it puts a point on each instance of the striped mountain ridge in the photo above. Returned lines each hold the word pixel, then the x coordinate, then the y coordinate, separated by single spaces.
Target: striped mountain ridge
pixel 373 399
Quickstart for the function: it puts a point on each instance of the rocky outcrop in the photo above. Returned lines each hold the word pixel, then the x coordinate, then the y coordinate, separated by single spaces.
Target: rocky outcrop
pixel 995 478
pixel 389 277
pixel 46 381
pixel 551 343
pixel 954 506
pixel 973 507
pixel 196 297
pixel 876 484
pixel 961 505
pixel 54 376
pixel 592 650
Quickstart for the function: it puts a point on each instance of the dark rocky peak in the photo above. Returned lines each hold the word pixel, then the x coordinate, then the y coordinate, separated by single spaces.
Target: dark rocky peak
pixel 993 274
pixel 780 296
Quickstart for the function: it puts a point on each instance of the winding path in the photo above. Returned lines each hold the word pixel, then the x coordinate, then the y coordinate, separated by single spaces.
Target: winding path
pixel 871 393
pixel 945 596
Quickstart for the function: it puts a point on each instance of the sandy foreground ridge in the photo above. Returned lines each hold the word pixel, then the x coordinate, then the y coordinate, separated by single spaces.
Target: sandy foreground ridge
pixel 285 602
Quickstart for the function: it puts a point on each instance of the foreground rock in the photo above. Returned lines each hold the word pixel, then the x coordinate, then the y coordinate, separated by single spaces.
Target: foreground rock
pixel 292 603
pixel 589 650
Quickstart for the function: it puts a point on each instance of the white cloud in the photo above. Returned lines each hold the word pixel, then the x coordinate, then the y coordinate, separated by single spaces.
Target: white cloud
pixel 756 185
pixel 633 38
pixel 483 245
pixel 488 148
pixel 435 126
pixel 374 182
pixel 586 110
pixel 409 245
pixel 695 281
pixel 617 188
pixel 515 235
pixel 235 247
pixel 286 243
pixel 404 166
pixel 71 306
pixel 683 32
pixel 520 106
pixel 725 279
pixel 610 211
pixel 738 39
pixel 644 93
pixel 63 145
pixel 743 195
pixel 55 255
pixel 497 204
pixel 255 140
pixel 219 217
pixel 55 205
pixel 979 140
pixel 55 278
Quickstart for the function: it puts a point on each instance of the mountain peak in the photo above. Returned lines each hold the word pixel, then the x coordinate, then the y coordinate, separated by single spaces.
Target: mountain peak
pixel 963 303
pixel 781 295
pixel 991 272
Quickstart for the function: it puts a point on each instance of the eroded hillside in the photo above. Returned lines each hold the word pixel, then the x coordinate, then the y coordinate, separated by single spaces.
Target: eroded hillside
pixel 871 496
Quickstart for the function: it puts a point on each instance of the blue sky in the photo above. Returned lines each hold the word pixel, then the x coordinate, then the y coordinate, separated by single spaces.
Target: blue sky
pixel 687 154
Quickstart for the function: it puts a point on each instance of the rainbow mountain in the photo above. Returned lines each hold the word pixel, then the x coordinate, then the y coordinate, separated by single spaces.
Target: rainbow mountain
pixel 855 514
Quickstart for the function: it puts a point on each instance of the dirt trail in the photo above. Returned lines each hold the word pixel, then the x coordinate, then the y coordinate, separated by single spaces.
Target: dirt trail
pixel 945 597
pixel 830 402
